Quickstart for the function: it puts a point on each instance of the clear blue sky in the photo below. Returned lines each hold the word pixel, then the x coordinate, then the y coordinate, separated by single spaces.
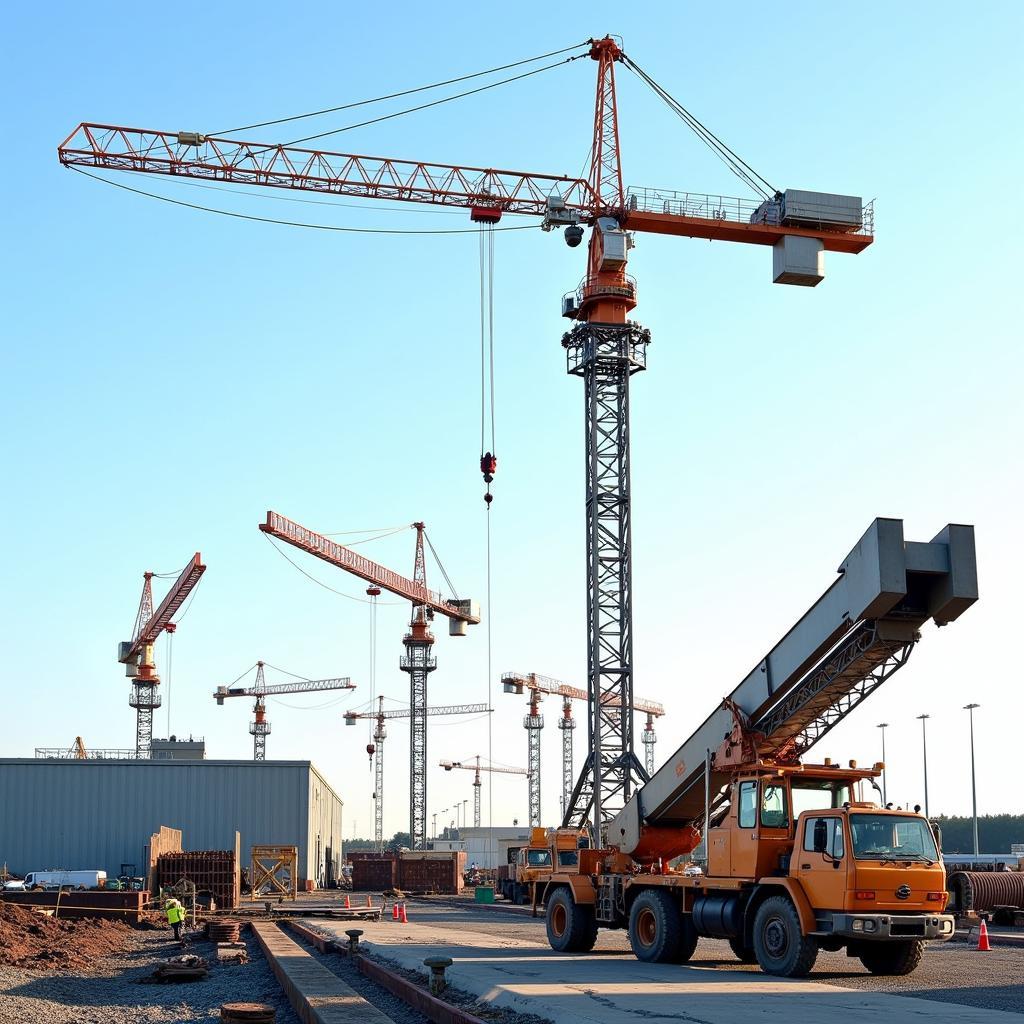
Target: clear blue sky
pixel 170 375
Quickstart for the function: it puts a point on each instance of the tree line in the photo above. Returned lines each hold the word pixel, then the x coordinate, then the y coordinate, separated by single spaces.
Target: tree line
pixel 996 833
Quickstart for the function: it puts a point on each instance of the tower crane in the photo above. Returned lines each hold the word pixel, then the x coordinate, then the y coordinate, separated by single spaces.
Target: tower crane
pixel 418 662
pixel 604 347
pixel 259 727
pixel 137 654
pixel 376 748
pixel 533 722
pixel 477 767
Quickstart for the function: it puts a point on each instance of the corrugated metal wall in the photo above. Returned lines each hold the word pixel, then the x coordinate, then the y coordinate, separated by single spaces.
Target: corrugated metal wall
pixel 323 835
pixel 100 814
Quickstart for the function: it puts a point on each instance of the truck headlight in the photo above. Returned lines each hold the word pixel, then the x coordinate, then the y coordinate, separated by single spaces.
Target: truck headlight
pixel 858 925
pixel 871 926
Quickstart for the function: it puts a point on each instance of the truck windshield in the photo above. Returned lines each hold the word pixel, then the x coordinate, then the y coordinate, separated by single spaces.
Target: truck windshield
pixel 568 858
pixel 538 858
pixel 891 837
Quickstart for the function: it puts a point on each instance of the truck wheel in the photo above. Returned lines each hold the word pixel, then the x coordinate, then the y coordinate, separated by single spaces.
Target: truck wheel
pixel 779 945
pixel 571 926
pixel 745 954
pixel 892 957
pixel 656 929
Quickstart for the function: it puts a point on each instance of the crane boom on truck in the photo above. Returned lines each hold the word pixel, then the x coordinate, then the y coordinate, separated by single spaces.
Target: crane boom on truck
pixel 797 858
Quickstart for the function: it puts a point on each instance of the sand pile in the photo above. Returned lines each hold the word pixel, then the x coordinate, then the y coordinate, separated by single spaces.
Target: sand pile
pixel 31 940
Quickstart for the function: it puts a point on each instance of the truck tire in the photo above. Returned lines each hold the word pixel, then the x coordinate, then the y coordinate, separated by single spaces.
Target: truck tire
pixel 745 954
pixel 656 931
pixel 779 945
pixel 571 926
pixel 894 958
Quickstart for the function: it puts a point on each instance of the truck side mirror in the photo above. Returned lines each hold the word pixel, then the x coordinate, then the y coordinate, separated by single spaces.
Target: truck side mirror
pixel 821 835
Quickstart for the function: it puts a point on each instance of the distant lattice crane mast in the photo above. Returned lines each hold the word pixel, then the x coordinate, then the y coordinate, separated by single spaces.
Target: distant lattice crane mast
pixel 137 654
pixel 259 727
pixel 567 724
pixel 517 682
pixel 649 739
pixel 533 722
pixel 376 748
pixel 477 768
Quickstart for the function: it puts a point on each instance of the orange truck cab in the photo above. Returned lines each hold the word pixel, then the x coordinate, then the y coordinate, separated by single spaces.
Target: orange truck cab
pixel 550 850
pixel 798 861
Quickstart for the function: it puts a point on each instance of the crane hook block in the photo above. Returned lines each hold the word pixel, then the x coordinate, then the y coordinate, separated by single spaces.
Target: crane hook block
pixel 488 466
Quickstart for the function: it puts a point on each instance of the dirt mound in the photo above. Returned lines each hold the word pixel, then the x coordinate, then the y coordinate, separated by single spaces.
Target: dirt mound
pixel 36 942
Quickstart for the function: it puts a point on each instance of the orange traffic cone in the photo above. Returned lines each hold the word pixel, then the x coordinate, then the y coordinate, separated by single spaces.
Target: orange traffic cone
pixel 405 917
pixel 395 916
pixel 348 903
pixel 983 943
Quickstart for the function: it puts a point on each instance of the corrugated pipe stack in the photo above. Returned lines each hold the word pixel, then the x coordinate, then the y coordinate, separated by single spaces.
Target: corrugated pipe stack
pixel 981 891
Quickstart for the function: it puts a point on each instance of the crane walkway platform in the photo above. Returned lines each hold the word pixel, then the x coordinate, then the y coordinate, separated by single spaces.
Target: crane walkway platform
pixel 317 995
pixel 611 987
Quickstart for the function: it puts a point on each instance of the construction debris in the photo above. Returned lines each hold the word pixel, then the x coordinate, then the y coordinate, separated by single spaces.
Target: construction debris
pixel 36 941
pixel 187 967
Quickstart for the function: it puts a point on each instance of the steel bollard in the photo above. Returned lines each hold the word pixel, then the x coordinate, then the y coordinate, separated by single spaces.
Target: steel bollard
pixel 437 965
pixel 353 939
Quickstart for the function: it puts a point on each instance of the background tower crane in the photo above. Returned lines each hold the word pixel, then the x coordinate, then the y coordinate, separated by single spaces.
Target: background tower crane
pixel 380 734
pixel 259 727
pixel 517 682
pixel 605 348
pixel 478 768
pixel 649 738
pixel 137 654
pixel 533 722
pixel 417 660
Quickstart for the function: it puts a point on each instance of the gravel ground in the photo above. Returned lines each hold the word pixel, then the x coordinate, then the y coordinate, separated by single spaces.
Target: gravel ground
pixel 112 993
pixel 951 972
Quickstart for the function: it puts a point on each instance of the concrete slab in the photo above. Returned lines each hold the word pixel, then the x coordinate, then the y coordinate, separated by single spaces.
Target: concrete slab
pixel 614 988
pixel 317 995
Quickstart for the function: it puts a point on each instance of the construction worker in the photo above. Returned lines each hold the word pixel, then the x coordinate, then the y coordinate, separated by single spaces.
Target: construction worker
pixel 175 915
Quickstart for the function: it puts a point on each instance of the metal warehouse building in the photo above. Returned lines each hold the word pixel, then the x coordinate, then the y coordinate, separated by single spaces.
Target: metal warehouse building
pixel 100 814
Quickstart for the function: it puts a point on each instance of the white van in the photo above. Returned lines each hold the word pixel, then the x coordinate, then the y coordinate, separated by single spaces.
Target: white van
pixel 60 879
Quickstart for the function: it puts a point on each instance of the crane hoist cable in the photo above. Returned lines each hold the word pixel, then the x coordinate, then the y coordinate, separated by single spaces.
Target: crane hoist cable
pixel 405 92
pixel 731 159
pixel 488 455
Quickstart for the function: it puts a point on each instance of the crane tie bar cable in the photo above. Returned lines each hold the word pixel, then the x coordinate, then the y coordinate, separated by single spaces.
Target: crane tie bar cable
pixel 731 159
pixel 404 92
pixel 422 106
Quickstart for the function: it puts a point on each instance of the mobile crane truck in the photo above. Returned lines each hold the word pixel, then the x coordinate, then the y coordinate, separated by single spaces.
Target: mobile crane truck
pixel 799 858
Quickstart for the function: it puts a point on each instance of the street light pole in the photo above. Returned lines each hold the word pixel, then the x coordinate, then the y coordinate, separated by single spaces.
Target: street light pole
pixel 885 796
pixel 974 789
pixel 924 743
pixel 434 830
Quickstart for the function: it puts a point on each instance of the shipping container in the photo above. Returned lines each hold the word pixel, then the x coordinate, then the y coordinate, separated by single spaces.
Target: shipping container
pixel 432 871
pixel 376 874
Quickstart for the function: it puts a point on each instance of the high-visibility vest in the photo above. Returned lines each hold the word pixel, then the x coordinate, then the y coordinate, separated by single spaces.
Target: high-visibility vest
pixel 175 913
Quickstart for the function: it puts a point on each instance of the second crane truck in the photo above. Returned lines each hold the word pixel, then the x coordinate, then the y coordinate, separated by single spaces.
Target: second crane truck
pixel 799 856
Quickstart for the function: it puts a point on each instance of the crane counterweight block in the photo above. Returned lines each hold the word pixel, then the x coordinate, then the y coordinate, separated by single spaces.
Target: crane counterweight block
pixel 860 631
